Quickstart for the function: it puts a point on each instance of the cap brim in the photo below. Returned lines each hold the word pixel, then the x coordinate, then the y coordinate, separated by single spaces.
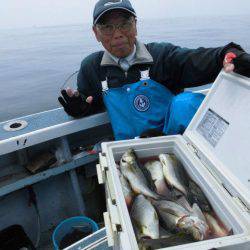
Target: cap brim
pixel 114 8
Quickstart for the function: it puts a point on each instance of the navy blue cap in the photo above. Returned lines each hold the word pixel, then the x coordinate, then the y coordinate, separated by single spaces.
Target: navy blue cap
pixel 103 6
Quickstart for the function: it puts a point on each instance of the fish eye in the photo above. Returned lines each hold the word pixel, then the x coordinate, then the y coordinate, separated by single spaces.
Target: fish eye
pixel 123 161
pixel 146 237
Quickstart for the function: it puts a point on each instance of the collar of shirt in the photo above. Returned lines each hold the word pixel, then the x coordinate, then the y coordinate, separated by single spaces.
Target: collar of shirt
pixel 129 58
pixel 142 56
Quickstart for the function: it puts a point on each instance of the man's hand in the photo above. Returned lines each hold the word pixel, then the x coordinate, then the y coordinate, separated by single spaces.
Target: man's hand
pixel 238 61
pixel 74 103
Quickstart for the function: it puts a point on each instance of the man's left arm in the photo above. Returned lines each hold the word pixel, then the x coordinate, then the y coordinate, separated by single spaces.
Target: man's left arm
pixel 237 60
pixel 194 67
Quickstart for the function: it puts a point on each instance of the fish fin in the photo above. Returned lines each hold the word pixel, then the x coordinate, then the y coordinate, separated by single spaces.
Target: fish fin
pixel 162 189
pixel 196 211
pixel 129 200
pixel 146 173
pixel 184 203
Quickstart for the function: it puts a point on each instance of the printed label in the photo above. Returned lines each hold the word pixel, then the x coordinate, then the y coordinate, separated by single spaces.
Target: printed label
pixel 212 127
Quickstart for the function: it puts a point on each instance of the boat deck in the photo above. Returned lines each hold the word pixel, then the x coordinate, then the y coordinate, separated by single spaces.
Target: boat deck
pixel 45 126
pixel 62 191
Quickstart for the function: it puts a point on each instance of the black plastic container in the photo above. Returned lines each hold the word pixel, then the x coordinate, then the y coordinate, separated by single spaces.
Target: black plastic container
pixel 14 238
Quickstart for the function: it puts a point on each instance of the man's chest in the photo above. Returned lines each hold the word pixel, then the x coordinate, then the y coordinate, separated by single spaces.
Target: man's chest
pixel 117 77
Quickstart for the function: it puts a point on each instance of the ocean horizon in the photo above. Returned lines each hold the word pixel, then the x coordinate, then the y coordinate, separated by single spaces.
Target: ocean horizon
pixel 35 61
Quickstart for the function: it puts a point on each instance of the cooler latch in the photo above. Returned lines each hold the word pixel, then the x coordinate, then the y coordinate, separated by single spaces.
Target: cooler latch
pixel 101 168
pixel 100 174
pixel 109 231
pixel 104 176
pixel 114 215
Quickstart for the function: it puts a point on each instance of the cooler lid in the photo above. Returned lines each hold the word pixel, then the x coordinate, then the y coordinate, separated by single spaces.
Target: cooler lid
pixel 220 132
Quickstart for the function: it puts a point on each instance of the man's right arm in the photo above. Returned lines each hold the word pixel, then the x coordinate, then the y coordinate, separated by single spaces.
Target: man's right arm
pixel 89 81
pixel 87 99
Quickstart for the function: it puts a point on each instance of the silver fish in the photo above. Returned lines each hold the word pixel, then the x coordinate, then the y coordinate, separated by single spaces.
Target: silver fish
pixel 184 203
pixel 164 233
pixel 196 195
pixel 175 217
pixel 216 226
pixel 145 218
pixel 170 171
pixel 173 240
pixel 194 226
pixel 126 189
pixel 197 212
pixel 194 210
pixel 170 207
pixel 134 175
pixel 145 172
pixel 155 169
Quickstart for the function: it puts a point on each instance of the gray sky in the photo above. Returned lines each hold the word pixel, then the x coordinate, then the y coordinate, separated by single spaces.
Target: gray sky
pixel 19 13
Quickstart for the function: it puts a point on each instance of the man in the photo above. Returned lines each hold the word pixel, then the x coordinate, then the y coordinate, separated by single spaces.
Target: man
pixel 141 86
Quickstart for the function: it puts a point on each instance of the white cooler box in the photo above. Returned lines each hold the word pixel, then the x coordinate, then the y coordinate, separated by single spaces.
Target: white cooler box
pixel 214 150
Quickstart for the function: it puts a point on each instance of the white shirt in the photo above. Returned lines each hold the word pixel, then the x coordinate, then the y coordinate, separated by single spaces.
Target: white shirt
pixel 125 62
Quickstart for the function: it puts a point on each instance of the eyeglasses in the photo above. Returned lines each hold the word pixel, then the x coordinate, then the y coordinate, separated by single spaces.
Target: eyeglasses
pixel 109 29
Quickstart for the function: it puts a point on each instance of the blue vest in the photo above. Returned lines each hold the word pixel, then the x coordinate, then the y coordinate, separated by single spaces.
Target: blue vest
pixel 146 104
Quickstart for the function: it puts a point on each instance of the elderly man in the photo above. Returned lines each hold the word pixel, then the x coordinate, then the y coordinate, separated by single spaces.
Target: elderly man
pixel 141 85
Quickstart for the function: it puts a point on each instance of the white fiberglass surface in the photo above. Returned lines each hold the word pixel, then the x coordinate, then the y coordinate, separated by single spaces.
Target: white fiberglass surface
pixel 220 131
pixel 218 198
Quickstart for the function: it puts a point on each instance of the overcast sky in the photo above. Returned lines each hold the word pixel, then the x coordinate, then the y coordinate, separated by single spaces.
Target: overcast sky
pixel 20 13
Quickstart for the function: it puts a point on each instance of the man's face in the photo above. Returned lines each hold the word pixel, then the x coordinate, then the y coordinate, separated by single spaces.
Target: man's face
pixel 117 33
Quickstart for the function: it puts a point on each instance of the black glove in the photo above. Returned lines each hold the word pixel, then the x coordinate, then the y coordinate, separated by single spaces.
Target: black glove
pixel 241 62
pixel 75 106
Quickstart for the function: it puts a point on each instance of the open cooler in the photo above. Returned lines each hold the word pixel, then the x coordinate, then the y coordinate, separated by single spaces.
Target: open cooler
pixel 215 152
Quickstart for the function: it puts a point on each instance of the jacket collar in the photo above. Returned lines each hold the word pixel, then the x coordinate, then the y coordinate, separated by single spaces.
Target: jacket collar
pixel 141 56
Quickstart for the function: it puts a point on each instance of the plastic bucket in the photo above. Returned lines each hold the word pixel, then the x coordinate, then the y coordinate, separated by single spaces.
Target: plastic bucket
pixel 78 224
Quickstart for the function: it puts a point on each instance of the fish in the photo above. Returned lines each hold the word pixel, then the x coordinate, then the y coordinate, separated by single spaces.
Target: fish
pixel 134 175
pixel 145 172
pixel 216 226
pixel 164 233
pixel 126 189
pixel 170 212
pixel 197 212
pixel 145 218
pixel 194 226
pixel 177 218
pixel 194 210
pixel 173 240
pixel 155 169
pixel 184 203
pixel 170 171
pixel 196 195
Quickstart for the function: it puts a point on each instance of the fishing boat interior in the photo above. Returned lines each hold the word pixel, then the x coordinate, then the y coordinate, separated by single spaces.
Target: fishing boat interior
pixel 48 174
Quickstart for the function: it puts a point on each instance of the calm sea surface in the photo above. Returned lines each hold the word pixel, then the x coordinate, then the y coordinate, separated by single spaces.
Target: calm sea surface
pixel 34 62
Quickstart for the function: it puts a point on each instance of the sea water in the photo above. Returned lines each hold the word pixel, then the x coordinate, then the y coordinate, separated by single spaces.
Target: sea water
pixel 34 62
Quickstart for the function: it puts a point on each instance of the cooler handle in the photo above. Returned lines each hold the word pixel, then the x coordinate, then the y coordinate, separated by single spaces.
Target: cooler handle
pixel 100 174
pixel 109 231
